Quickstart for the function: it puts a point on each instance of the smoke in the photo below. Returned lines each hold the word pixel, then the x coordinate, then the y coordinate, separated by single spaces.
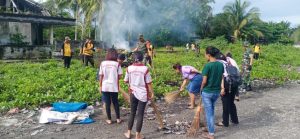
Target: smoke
pixel 123 20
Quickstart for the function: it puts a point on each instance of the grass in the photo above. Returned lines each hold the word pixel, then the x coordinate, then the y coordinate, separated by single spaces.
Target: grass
pixel 29 85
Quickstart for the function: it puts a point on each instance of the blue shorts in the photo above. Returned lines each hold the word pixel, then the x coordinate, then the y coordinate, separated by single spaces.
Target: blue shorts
pixel 195 84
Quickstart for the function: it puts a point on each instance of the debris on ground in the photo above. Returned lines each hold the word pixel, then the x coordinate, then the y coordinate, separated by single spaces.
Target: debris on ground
pixel 13 111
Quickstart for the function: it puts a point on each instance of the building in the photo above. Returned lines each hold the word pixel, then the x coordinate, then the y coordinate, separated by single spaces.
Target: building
pixel 27 19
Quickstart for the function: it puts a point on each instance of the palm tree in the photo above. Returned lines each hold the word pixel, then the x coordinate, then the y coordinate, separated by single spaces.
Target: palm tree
pixel 239 16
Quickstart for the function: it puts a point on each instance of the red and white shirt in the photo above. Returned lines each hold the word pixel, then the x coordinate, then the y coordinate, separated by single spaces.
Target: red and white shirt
pixel 109 73
pixel 138 76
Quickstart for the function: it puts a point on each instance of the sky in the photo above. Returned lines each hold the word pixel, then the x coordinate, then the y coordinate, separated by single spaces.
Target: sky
pixel 270 10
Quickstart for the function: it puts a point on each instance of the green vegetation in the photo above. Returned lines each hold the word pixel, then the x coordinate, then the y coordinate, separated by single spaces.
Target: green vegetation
pixel 37 84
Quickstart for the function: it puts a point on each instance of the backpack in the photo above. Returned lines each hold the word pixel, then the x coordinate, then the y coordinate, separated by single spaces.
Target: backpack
pixel 234 78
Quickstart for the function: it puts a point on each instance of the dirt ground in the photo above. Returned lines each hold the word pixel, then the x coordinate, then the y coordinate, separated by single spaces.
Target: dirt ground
pixel 272 113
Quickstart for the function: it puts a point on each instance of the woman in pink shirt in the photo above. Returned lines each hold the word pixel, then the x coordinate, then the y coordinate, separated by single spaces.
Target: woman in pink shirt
pixel 110 73
pixel 140 86
pixel 191 74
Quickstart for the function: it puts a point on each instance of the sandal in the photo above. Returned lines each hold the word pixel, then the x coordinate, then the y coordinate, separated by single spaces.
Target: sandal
pixel 220 124
pixel 142 137
pixel 127 136
pixel 119 121
pixel 237 98
pixel 108 122
pixel 207 136
pixel 190 107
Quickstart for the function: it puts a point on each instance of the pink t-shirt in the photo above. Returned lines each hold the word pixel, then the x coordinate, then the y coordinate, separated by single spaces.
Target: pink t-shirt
pixel 186 72
pixel 138 76
pixel 109 73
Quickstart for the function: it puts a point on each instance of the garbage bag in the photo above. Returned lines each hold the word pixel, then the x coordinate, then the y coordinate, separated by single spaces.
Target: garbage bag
pixel 68 107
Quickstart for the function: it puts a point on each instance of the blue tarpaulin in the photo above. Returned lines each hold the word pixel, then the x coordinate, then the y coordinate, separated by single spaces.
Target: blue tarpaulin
pixel 68 107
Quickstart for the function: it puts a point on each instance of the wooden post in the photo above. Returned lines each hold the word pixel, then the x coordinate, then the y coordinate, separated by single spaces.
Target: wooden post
pixel 51 35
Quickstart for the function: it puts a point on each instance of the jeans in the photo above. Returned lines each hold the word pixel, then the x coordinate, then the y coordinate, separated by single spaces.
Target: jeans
pixel 139 106
pixel 109 97
pixel 209 100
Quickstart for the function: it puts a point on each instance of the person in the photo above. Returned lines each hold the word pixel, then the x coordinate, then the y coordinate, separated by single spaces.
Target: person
pixel 110 72
pixel 229 107
pixel 150 52
pixel 81 51
pixel 256 51
pixel 212 86
pixel 191 74
pixel 233 63
pixel 187 47
pixel 88 51
pixel 142 48
pixel 121 58
pixel 139 81
pixel 66 52
pixel 247 67
pixel 193 47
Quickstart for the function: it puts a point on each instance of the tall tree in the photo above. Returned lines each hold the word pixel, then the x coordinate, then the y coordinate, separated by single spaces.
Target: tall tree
pixel 239 16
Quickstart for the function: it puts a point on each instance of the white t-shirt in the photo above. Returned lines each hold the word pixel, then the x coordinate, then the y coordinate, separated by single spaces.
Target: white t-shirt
pixel 109 74
pixel 138 76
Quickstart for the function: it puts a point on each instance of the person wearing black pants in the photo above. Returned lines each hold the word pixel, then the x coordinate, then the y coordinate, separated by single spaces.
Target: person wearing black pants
pixel 67 61
pixel 139 107
pixel 66 52
pixel 141 91
pixel 88 59
pixel 111 97
pixel 229 108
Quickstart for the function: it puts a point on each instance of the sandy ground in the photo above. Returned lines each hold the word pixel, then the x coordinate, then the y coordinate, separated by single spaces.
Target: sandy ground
pixel 273 113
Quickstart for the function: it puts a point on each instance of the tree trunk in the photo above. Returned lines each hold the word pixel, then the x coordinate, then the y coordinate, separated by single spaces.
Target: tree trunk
pixel 76 22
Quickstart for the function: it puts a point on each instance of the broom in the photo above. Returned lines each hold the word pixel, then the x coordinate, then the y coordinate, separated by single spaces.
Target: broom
pixel 157 114
pixel 196 122
pixel 125 96
pixel 172 96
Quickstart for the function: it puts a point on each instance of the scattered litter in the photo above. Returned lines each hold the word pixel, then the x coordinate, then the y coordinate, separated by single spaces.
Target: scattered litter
pixel 37 131
pixel 13 111
pixel 178 128
pixel 31 113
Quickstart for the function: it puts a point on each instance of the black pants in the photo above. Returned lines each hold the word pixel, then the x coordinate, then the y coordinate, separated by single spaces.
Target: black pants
pixel 109 97
pixel 229 107
pixel 67 61
pixel 88 59
pixel 139 106
pixel 256 55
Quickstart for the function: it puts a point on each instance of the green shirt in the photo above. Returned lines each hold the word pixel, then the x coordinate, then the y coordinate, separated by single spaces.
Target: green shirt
pixel 214 72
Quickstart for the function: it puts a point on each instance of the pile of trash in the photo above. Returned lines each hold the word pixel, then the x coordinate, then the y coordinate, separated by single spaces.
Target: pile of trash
pixel 67 113
pixel 179 128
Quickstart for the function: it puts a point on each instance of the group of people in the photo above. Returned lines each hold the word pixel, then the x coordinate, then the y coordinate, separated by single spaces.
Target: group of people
pixel 87 50
pixel 216 79
pixel 211 83
pixel 137 76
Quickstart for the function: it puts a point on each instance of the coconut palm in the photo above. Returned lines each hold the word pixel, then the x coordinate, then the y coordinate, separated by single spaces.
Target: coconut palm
pixel 240 16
